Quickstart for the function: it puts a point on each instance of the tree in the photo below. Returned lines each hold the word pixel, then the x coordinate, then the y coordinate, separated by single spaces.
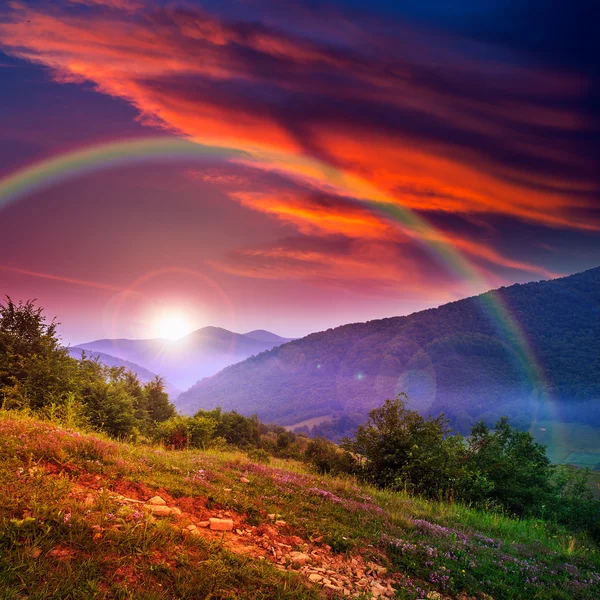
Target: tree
pixel 515 464
pixel 327 457
pixel 403 449
pixel 35 370
pixel 158 406
pixel 234 428
pixel 105 394
pixel 180 432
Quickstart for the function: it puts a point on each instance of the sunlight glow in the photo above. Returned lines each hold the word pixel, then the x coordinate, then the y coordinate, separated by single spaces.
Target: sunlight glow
pixel 172 326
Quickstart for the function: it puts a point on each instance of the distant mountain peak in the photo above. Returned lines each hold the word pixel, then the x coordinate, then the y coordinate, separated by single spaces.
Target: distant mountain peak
pixel 199 354
pixel 265 336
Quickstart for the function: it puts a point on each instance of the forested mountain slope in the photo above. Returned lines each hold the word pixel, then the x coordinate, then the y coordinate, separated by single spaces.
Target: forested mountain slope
pixel 461 358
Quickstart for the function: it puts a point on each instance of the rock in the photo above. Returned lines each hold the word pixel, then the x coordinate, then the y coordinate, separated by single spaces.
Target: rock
pixel 221 524
pixel 314 577
pixel 244 480
pixel 35 553
pixel 271 516
pixel 176 511
pixel 280 523
pixel 192 529
pixel 299 558
pixel 204 524
pixel 158 510
pixel 156 501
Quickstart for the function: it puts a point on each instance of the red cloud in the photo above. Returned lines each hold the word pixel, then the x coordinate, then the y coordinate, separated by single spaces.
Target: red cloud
pixel 464 137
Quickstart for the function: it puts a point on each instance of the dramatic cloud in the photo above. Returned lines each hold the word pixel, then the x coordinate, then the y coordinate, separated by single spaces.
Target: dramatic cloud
pixel 436 120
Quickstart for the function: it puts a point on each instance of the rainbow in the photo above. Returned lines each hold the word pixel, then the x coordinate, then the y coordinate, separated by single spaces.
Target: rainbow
pixel 139 150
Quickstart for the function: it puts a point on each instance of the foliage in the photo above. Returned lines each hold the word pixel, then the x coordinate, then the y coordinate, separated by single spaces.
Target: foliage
pixel 35 370
pixel 503 467
pixel 405 450
pixel 181 432
pixel 516 466
pixel 37 374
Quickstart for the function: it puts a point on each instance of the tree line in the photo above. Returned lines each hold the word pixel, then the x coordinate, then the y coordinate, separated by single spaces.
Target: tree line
pixel 37 374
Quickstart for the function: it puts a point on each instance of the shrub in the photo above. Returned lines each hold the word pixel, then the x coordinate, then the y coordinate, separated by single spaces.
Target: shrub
pixel 259 455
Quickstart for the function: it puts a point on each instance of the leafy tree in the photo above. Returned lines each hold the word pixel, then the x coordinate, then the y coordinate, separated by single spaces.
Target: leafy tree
pixel 35 371
pixel 105 393
pixel 234 428
pixel 573 503
pixel 401 448
pixel 180 432
pixel 327 457
pixel 515 464
pixel 158 406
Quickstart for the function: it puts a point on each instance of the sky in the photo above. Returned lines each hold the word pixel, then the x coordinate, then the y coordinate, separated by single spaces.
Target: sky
pixel 479 121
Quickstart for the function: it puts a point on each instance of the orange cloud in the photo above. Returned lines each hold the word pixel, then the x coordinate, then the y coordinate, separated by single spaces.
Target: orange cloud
pixel 467 138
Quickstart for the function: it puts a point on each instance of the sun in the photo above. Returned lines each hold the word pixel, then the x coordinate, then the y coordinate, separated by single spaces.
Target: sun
pixel 172 326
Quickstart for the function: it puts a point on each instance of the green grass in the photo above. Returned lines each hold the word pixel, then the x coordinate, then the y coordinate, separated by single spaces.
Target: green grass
pixel 64 535
pixel 562 439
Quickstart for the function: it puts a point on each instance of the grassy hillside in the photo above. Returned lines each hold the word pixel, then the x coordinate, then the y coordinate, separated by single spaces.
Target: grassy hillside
pixel 457 359
pixel 74 524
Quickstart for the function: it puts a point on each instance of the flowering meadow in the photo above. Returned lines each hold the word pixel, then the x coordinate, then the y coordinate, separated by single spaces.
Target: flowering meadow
pixel 72 525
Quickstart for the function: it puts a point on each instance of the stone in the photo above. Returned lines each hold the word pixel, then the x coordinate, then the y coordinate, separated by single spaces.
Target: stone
pixel 244 480
pixel 158 510
pixel 271 516
pixel 35 553
pixel 299 558
pixel 192 529
pixel 280 523
pixel 176 511
pixel 221 524
pixel 156 501
pixel 314 577
pixel 204 524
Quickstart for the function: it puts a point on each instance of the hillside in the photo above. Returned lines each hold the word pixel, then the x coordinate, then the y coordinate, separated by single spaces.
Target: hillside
pixel 202 353
pixel 454 359
pixel 143 374
pixel 80 518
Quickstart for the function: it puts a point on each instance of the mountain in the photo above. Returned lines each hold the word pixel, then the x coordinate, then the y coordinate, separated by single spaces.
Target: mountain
pixel 143 374
pixel 266 336
pixel 201 353
pixel 461 358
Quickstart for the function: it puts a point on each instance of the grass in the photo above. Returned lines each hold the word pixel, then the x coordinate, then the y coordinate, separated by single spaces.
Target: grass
pixel 64 533
pixel 562 439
